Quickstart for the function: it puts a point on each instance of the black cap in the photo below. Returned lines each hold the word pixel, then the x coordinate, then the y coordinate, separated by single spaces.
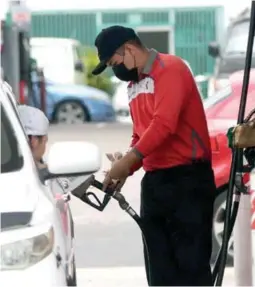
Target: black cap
pixel 108 41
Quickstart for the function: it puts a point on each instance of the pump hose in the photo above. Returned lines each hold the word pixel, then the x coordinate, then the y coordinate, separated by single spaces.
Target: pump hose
pixel 124 205
pixel 234 209
pixel 232 223
pixel 227 222
pixel 235 159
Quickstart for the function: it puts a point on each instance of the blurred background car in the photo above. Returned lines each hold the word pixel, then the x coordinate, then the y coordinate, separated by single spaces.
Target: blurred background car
pixel 74 104
pixel 221 112
pixel 120 101
pixel 59 58
pixel 230 54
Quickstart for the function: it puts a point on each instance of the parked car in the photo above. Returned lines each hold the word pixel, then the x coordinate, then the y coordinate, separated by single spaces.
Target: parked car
pixel 60 59
pixel 37 234
pixel 222 112
pixel 67 103
pixel 230 54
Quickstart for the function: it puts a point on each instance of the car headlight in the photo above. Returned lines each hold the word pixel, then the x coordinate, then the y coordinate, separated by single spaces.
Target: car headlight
pixel 27 252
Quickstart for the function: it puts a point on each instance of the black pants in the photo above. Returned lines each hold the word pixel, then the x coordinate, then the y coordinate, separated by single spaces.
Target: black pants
pixel 177 211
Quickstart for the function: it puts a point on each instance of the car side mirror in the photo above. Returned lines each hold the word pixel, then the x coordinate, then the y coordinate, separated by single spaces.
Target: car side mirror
pixel 79 67
pixel 70 159
pixel 214 49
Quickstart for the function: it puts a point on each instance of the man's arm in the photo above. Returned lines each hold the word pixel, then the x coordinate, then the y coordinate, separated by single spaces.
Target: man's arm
pixel 171 91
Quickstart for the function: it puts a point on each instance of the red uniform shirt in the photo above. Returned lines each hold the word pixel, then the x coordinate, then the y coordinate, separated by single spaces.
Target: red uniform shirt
pixel 169 123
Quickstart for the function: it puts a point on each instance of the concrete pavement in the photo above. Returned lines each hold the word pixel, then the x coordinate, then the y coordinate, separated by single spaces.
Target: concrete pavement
pixel 108 244
pixel 126 277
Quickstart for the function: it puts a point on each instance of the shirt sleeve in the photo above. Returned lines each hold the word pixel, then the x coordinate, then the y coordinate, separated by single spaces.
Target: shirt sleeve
pixel 134 141
pixel 171 89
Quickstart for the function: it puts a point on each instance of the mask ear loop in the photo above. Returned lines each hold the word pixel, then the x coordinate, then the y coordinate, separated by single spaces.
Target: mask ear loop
pixel 134 62
pixel 135 67
pixel 123 56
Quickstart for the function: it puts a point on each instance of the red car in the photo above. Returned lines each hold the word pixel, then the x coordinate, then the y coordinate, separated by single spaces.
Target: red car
pixel 222 112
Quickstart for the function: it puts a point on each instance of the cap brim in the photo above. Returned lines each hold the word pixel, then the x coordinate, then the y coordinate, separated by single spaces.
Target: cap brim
pixel 99 68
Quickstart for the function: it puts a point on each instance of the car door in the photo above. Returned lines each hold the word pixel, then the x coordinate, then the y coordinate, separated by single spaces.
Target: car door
pixel 63 222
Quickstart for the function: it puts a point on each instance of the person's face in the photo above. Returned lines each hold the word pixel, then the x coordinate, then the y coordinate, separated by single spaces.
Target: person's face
pixel 125 55
pixel 38 146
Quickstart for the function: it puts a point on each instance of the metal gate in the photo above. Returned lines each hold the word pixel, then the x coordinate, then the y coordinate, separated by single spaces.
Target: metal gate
pixel 192 28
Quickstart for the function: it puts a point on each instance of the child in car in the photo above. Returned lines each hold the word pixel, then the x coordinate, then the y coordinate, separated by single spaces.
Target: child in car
pixel 36 126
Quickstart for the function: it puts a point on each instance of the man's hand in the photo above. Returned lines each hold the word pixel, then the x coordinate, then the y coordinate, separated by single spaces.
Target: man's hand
pixel 120 169
pixel 113 158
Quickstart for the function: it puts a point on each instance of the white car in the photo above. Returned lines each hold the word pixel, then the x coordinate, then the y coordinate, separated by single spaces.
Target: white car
pixel 37 234
pixel 120 102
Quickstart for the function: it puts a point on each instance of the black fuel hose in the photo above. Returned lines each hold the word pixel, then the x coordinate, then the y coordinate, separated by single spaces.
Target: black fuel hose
pixel 233 215
pixel 236 154
pixel 227 224
pixel 124 205
pixel 233 219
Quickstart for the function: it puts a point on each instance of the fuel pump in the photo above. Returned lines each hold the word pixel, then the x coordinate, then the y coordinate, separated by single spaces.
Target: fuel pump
pixel 15 50
pixel 25 84
pixel 236 185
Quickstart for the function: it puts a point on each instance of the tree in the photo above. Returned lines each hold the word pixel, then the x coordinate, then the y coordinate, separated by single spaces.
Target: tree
pixel 102 81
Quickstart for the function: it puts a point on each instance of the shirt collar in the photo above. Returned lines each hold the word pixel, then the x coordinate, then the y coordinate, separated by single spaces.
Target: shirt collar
pixel 152 57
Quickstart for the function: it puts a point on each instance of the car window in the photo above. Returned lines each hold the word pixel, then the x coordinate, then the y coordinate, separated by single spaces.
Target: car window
pixel 218 97
pixel 241 28
pixel 238 37
pixel 11 158
pixel 238 44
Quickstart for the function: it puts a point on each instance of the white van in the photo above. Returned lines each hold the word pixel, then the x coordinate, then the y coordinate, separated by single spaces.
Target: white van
pixel 59 58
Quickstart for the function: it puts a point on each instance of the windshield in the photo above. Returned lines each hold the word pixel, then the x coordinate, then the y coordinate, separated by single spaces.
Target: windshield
pixel 237 42
pixel 217 97
pixel 11 159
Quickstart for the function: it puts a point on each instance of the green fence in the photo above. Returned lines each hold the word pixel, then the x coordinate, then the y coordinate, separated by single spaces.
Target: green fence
pixel 193 28
pixel 81 26
pixel 193 31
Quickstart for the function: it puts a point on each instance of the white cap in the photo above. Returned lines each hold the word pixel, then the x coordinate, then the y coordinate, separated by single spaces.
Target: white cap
pixel 33 120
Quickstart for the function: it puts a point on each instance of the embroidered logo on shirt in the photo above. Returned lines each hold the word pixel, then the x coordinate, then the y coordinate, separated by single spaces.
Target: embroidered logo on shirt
pixel 145 86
